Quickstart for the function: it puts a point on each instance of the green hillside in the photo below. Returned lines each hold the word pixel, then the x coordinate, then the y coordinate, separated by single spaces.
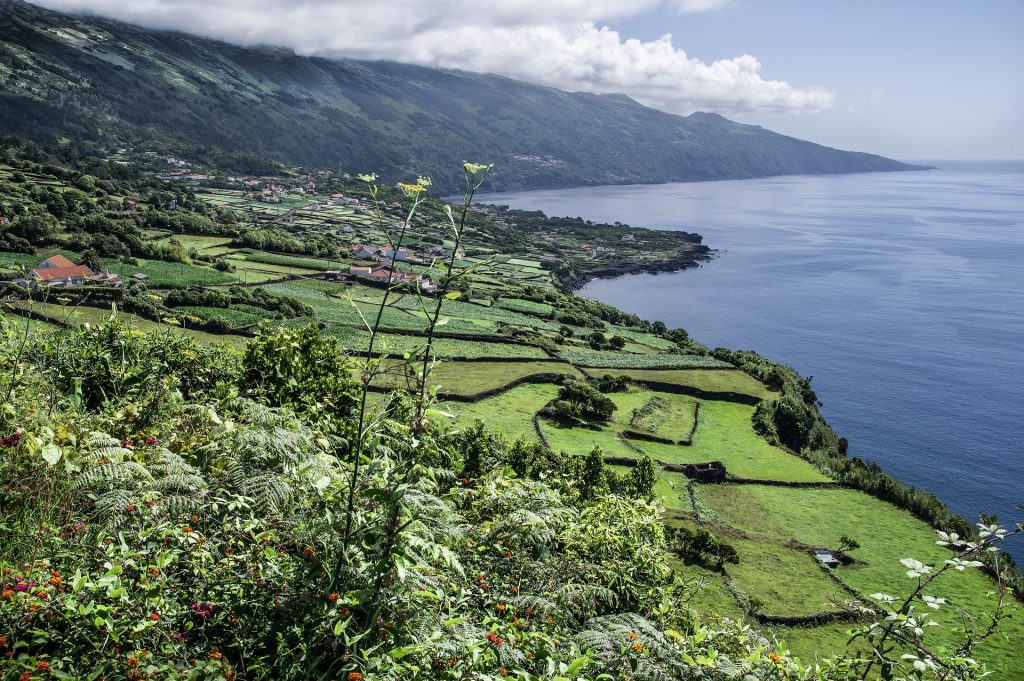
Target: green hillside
pixel 251 463
pixel 94 82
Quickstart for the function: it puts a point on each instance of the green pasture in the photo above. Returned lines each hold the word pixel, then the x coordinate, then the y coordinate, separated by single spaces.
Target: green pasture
pixel 510 413
pixel 710 380
pixel 618 360
pixel 818 517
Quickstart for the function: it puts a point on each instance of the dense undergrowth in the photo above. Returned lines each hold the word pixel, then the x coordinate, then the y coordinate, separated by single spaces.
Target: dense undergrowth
pixel 178 511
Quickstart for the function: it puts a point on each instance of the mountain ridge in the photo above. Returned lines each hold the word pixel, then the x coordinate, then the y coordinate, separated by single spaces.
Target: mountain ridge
pixel 95 80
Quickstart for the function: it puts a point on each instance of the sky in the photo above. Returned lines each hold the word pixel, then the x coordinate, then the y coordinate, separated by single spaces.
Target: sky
pixel 910 79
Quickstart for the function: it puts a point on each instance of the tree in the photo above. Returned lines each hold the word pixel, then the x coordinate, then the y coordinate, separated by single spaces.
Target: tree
pixel 642 478
pixel 593 481
pixel 847 543
pixel 616 342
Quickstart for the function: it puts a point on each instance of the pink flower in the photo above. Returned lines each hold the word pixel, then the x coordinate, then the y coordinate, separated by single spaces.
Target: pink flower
pixel 152 441
pixel 126 443
pixel 11 440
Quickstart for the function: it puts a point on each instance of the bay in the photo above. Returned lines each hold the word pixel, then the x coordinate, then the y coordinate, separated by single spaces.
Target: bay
pixel 902 294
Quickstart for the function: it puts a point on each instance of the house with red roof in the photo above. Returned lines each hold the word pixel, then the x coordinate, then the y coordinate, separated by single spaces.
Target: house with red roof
pixel 59 271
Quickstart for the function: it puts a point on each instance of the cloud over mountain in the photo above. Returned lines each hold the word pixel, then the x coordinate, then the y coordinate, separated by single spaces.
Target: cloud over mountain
pixel 562 43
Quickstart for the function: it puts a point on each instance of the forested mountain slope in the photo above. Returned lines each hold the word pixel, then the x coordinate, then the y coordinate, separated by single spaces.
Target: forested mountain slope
pixel 95 82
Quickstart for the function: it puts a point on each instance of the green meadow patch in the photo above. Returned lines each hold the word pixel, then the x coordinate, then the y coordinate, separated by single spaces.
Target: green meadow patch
pixel 617 360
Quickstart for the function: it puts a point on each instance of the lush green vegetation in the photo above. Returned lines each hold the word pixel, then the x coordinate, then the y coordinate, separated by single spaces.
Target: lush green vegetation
pixel 618 360
pixel 194 400
pixel 424 119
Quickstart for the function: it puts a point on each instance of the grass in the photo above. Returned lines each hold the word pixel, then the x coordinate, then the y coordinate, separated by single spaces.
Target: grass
pixel 171 274
pixel 617 360
pixel 787 581
pixel 710 380
pixel 510 413
pixel 818 517
pixel 94 315
pixel 471 378
pixel 724 433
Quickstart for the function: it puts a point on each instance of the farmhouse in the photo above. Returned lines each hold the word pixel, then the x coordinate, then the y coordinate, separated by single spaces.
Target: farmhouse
pixel 59 271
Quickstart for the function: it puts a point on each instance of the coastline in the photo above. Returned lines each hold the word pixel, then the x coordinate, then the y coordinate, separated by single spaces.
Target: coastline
pixel 700 255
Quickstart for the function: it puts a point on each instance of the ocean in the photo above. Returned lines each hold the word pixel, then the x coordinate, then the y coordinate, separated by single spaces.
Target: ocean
pixel 902 294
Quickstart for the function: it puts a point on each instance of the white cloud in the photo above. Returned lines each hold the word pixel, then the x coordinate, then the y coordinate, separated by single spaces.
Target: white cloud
pixel 562 43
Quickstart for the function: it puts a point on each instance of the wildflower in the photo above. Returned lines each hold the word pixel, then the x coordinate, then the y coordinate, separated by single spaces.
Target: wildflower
pixel 465 482
pixel 129 508
pixel 775 658
pixel 25 676
pixel 475 168
pixel 501 607
pixel 154 570
pixel 150 504
pixel 7 593
pixel 126 443
pixel 229 674
pixel 333 598
pixel 354 676
pixel 216 655
pixel 195 518
pixel 55 581
pixel 203 610
pixel 186 529
pixel 11 440
pixel 3 641
pixel 503 672
pixel 154 617
pixel 152 441
pixel 411 189
pixel 309 552
pixel 632 635
pixel 638 648
pixel 43 666
pixel 495 639
pixel 133 662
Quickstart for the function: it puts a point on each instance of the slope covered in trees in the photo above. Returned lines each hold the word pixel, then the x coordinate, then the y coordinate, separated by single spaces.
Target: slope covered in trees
pixel 95 82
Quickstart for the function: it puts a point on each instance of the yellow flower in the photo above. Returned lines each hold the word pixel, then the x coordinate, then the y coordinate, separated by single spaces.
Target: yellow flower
pixel 170 321
pixel 638 648
pixel 411 189
pixel 368 178
pixel 475 168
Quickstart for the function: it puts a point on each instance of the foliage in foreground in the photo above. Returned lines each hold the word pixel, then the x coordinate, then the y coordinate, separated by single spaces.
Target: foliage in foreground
pixel 177 511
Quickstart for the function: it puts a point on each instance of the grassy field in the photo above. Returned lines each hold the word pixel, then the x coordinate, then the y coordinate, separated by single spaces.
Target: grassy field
pixel 94 315
pixel 724 433
pixel 171 274
pixel 818 517
pixel 617 360
pixel 510 413
pixel 710 380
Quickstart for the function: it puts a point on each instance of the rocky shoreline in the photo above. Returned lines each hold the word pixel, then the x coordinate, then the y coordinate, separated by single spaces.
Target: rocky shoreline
pixel 700 254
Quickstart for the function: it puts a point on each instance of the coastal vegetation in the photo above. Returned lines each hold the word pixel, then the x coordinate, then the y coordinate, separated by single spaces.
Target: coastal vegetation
pixel 374 480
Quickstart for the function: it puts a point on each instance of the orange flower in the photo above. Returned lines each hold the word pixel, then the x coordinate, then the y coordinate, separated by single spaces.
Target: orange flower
pixel 501 607
pixel 354 676
pixel 155 617
pixel 216 655
pixel 7 593
pixel 43 666
pixel 503 672
pixel 638 648
pixel 195 519
pixel 133 662
pixel 25 676
pixel 129 508
pixel 186 528
pixel 775 658
pixel 309 551
pixel 632 635
pixel 3 641
pixel 333 598
pixel 55 581
pixel 154 570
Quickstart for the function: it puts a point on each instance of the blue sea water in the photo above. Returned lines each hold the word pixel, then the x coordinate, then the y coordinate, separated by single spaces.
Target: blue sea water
pixel 902 294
